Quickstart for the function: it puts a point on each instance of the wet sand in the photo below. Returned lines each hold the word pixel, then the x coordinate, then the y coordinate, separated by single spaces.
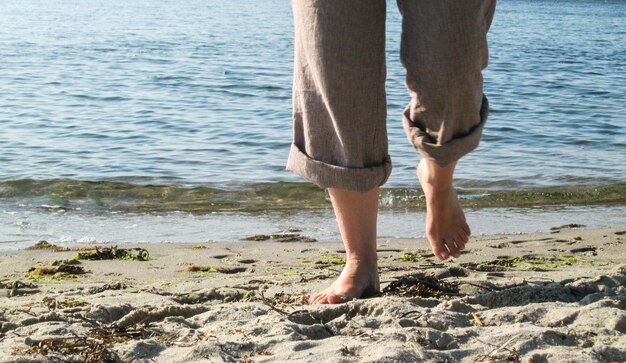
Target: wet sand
pixel 551 297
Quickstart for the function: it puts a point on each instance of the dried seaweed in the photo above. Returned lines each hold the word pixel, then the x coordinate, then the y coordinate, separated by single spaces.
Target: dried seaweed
pixel 12 285
pixel 105 287
pixel 526 262
pixel 60 269
pixel 507 355
pixel 213 295
pixel 45 245
pixel 271 304
pixel 285 299
pixel 88 349
pixel 115 253
pixel 256 284
pixel 94 346
pixel 116 334
pixel 16 288
pixel 567 226
pixel 52 304
pixel 329 260
pixel 500 264
pixel 413 267
pixel 420 285
pixel 281 237
pixel 316 277
pixel 410 257
pixel 220 269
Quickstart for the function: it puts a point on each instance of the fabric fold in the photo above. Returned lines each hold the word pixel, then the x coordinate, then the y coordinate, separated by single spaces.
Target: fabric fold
pixel 332 176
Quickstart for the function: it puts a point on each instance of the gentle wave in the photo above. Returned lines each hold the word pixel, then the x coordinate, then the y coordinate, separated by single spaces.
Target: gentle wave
pixel 122 196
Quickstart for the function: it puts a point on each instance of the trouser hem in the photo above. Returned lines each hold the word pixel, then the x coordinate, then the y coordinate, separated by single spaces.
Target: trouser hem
pixel 451 151
pixel 333 176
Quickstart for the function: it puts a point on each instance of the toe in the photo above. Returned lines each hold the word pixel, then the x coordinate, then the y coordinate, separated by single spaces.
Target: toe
pixel 321 300
pixel 461 240
pixel 454 251
pixel 316 298
pixel 440 250
pixel 457 254
pixel 460 244
pixel 467 230
pixel 336 299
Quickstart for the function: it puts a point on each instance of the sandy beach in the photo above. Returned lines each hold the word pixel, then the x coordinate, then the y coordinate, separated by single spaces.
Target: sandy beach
pixel 553 297
pixel 165 170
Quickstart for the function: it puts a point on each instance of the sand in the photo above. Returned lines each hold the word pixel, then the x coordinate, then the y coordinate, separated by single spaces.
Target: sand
pixel 552 297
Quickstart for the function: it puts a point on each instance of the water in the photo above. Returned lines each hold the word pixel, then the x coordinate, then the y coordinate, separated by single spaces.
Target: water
pixel 199 92
pixel 144 106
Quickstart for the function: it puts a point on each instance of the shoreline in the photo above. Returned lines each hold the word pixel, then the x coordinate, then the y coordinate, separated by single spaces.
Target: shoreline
pixel 98 197
pixel 545 292
pixel 20 228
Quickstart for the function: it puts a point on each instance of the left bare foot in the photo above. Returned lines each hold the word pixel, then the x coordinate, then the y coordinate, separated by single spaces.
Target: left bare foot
pixel 446 227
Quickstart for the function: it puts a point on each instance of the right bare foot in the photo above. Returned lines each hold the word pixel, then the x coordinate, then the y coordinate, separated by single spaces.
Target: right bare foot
pixel 446 227
pixel 358 279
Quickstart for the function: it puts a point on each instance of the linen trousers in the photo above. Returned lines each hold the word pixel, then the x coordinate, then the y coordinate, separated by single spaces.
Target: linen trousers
pixel 339 101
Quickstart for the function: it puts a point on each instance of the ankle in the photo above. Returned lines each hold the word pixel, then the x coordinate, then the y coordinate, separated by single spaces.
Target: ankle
pixel 434 177
pixel 437 187
pixel 362 260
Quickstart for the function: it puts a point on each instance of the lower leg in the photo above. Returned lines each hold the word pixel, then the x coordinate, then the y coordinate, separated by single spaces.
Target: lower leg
pixel 356 215
pixel 446 227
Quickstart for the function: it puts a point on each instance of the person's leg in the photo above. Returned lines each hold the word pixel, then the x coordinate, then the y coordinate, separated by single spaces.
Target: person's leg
pixel 444 50
pixel 356 215
pixel 339 103
pixel 339 125
pixel 446 227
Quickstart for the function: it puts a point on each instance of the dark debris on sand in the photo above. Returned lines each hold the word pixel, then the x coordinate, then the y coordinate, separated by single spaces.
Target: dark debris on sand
pixel 12 285
pixel 17 288
pixel 114 286
pixel 94 347
pixel 58 269
pixel 115 253
pixel 281 237
pixel 567 226
pixel 220 269
pixel 87 349
pixel 45 245
pixel 420 285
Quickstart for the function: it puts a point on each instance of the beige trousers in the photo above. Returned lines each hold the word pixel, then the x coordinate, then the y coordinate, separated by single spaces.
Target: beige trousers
pixel 339 102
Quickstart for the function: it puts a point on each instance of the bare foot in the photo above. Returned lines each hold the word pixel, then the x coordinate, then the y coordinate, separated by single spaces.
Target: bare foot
pixel 357 280
pixel 446 227
pixel 356 214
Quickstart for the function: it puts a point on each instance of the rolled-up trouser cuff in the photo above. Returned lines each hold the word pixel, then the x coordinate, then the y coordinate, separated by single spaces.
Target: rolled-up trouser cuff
pixel 451 151
pixel 332 176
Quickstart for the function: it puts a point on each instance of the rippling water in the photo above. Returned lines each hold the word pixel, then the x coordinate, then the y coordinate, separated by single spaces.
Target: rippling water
pixel 199 93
